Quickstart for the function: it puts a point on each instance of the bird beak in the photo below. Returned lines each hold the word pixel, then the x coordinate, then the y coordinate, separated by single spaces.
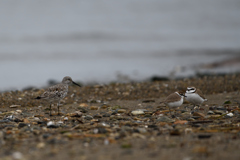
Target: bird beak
pixel 76 84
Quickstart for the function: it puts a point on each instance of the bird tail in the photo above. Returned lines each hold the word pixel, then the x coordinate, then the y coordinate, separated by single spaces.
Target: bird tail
pixel 38 97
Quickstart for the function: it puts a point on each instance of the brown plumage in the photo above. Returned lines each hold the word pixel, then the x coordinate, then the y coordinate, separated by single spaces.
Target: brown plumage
pixel 199 92
pixel 172 98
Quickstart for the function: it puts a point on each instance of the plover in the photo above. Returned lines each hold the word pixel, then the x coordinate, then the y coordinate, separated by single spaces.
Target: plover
pixel 57 92
pixel 174 100
pixel 195 96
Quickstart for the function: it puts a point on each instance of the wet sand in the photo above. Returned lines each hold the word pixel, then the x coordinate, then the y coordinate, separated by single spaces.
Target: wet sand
pixel 117 121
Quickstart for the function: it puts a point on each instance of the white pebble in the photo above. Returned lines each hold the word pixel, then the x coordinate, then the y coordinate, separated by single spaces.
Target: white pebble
pixel 50 123
pixel 230 114
pixel 17 155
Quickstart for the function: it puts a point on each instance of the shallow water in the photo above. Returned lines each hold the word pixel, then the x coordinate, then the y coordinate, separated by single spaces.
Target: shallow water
pixel 106 41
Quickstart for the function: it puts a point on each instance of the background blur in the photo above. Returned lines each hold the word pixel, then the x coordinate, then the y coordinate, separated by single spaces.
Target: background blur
pixel 103 41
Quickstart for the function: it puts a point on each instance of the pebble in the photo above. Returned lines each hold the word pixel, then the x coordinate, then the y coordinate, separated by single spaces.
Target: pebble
pixel 137 112
pixel 97 116
pixel 15 106
pixel 41 145
pixel 88 117
pixel 121 111
pixel 221 108
pixel 52 124
pixel 17 155
pixel 106 115
pixel 220 112
pixel 75 114
pixel 142 130
pixel 20 125
pixel 204 136
pixel 19 111
pixel 210 112
pixel 198 114
pixel 229 115
pixel 165 119
pixel 83 105
pixel 104 106
pixel 94 108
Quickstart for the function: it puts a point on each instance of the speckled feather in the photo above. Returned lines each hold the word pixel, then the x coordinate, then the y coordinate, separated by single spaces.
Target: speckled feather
pixel 55 92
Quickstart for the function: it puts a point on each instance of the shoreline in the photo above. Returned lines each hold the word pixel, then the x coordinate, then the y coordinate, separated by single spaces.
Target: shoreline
pixel 98 121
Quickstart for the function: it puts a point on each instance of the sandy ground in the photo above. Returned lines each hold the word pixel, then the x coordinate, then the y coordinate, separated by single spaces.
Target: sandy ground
pixel 97 122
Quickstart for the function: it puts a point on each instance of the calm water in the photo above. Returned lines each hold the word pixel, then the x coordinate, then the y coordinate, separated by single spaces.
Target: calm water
pixel 103 41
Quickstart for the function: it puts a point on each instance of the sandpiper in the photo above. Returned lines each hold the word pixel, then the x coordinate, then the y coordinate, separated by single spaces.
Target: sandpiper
pixel 57 92
pixel 195 96
pixel 174 100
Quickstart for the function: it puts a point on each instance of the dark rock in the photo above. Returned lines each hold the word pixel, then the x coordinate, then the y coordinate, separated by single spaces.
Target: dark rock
pixel 88 117
pixel 148 101
pixel 20 125
pixel 204 136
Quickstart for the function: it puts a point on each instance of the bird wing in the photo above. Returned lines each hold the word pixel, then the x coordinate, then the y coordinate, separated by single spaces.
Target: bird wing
pixel 199 92
pixel 56 91
pixel 172 97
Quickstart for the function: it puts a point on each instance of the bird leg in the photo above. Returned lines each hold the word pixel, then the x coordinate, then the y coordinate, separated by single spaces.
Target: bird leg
pixel 50 109
pixel 58 106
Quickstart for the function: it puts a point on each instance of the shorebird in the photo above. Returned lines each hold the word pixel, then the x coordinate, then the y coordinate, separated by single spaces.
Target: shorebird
pixel 195 96
pixel 174 100
pixel 57 92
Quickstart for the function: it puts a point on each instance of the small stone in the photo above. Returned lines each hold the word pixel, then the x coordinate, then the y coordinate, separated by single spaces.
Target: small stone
pixel 188 130
pixel 19 111
pixel 210 112
pixel 17 155
pixel 227 102
pixel 20 125
pixel 175 132
pixel 104 106
pixel 75 114
pixel 181 122
pixel 221 108
pixel 88 117
pixel 100 130
pixel 93 108
pixel 198 114
pixel 116 107
pixel 164 119
pixel 25 120
pixel 41 145
pixel 121 111
pixel 40 115
pixel 65 118
pixel 148 101
pixel 204 136
pixel 106 115
pixel 15 106
pixel 142 130
pixel 137 112
pixel 220 112
pixel 51 124
pixel 97 116
pixel 83 105
pixel 230 114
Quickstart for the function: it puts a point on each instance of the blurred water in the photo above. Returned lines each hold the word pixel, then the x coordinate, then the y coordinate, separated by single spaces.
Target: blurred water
pixel 96 41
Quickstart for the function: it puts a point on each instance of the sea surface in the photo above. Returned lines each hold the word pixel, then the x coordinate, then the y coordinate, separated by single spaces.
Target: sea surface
pixel 103 41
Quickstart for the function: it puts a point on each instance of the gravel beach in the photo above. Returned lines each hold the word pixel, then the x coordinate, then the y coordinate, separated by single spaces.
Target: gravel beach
pixel 124 120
